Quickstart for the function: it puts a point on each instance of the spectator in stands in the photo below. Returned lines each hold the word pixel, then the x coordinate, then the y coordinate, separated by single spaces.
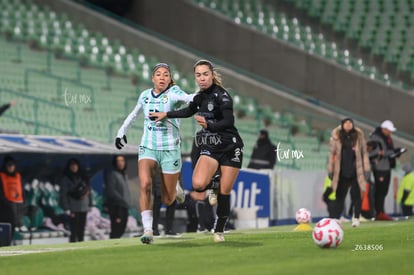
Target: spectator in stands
pixel 157 203
pixel 75 198
pixel 4 107
pixel 264 152
pixel 348 166
pixel 160 143
pixel 384 157
pixel 11 194
pixel 117 196
pixel 405 195
pixel 220 143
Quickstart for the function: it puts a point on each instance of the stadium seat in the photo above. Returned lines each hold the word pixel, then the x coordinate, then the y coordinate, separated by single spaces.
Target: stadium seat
pixel 49 42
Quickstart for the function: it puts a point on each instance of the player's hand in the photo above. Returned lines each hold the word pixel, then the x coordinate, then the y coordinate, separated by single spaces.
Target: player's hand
pixel 201 121
pixel 118 142
pixel 157 116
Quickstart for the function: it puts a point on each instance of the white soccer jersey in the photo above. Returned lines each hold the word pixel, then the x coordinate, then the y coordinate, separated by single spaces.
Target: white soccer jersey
pixel 163 135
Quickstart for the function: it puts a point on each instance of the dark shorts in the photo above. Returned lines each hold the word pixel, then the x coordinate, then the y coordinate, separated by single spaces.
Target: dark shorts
pixel 232 158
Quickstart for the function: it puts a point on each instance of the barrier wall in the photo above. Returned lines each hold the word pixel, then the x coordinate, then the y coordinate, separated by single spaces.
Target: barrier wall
pixel 277 195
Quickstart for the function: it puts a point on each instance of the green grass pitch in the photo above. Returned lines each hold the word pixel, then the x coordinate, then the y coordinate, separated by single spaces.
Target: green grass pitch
pixel 274 250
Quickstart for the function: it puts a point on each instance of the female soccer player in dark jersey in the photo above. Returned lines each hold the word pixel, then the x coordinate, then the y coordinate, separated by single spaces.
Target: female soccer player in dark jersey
pixel 219 141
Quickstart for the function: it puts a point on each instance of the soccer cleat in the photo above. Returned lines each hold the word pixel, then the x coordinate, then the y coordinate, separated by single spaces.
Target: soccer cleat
pixel 343 219
pixel 215 187
pixel 218 237
pixel 180 194
pixel 383 217
pixel 355 222
pixel 147 238
pixel 212 197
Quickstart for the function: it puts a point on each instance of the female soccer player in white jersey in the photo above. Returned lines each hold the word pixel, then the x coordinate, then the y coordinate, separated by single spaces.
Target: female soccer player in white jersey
pixel 160 143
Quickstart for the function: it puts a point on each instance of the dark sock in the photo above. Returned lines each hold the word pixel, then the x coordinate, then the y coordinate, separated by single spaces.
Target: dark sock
pixel 156 212
pixel 223 212
pixel 170 216
pixel 201 215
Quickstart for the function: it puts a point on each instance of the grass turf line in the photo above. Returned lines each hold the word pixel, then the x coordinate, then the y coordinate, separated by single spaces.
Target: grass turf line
pixel 262 251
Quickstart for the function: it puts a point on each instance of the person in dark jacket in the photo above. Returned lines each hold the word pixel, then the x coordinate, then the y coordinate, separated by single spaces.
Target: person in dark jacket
pixel 383 157
pixel 264 152
pixel 348 166
pixel 117 196
pixel 11 195
pixel 75 198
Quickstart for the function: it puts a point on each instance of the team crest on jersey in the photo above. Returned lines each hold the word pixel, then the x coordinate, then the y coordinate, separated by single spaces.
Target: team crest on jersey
pixel 210 106
pixel 164 99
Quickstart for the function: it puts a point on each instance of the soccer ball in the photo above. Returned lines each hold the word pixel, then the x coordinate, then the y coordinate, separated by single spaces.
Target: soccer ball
pixel 303 215
pixel 328 233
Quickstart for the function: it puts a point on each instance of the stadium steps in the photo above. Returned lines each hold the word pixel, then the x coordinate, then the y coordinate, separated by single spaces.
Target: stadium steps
pixel 270 20
pixel 384 28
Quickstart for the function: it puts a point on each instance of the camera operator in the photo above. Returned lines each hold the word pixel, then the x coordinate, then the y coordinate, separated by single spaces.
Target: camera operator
pixel 383 159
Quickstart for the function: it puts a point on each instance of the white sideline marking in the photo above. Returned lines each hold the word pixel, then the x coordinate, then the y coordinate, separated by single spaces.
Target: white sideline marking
pixel 40 250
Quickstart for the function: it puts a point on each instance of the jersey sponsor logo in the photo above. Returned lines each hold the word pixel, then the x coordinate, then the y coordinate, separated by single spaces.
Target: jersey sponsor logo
pixel 157 128
pixel 205 152
pixel 237 153
pixel 163 99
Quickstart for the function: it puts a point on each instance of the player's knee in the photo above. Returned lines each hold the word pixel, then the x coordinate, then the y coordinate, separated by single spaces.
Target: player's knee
pixel 168 201
pixel 199 185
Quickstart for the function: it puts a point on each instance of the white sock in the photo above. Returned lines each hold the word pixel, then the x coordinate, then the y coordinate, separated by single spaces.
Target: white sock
pixel 146 216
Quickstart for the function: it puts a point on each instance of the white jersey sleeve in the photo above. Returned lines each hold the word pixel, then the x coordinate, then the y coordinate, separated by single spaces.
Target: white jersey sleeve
pixel 130 118
pixel 180 96
pixel 162 135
